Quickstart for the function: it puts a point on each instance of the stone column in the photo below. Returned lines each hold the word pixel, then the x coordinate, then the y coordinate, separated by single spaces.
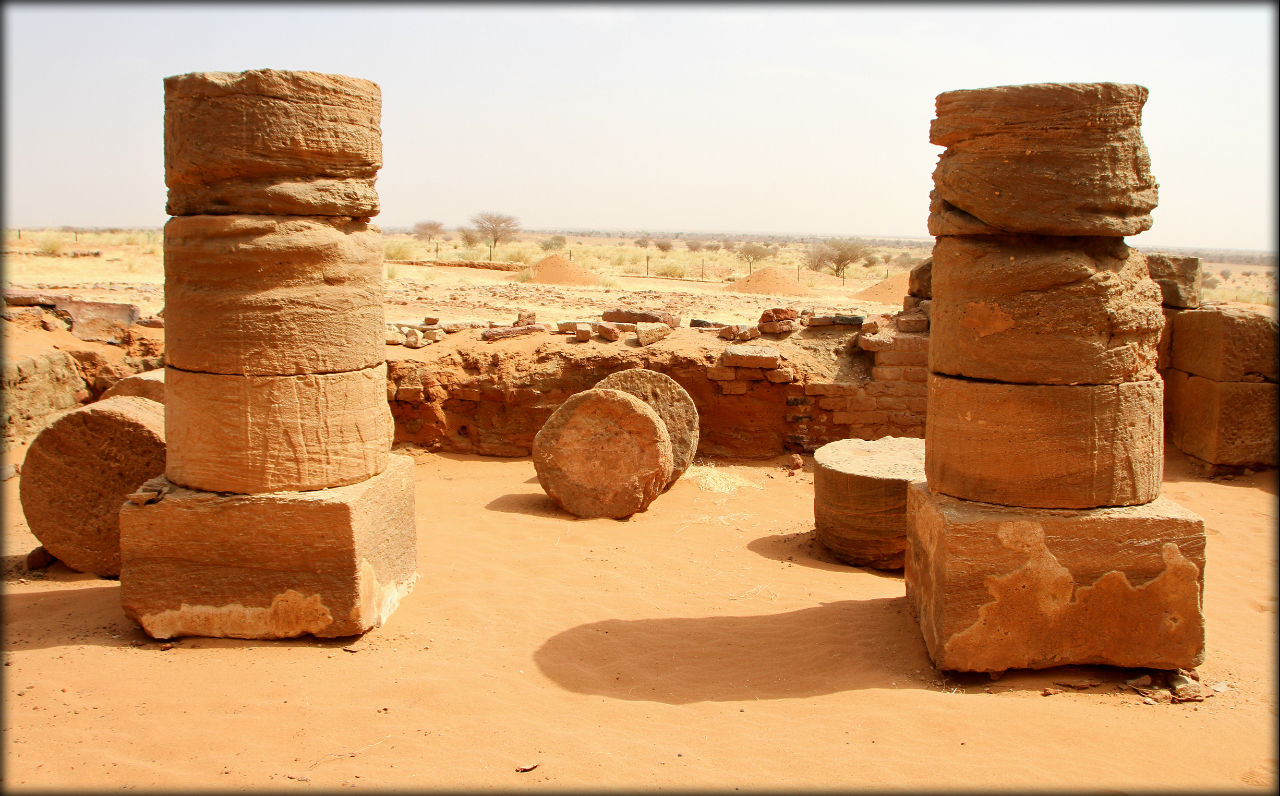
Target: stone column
pixel 1040 538
pixel 281 511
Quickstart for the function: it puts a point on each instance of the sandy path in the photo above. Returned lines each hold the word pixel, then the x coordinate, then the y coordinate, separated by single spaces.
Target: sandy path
pixel 705 643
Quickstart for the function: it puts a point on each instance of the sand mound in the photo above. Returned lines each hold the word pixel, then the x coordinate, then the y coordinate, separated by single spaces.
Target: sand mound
pixel 556 270
pixel 887 291
pixel 774 281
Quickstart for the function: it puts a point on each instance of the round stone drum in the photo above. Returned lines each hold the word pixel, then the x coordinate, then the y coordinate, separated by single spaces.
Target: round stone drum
pixel 860 498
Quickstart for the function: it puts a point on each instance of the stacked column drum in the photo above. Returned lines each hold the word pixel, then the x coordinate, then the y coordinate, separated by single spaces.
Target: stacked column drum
pixel 276 415
pixel 1040 538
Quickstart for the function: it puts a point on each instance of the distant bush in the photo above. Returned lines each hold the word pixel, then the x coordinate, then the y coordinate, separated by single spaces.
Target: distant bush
pixel 711 247
pixel 524 275
pixel 631 269
pixel 663 245
pixel 552 243
pixel 51 245
pixel 693 245
pixel 1210 282
pixel 674 270
pixel 397 249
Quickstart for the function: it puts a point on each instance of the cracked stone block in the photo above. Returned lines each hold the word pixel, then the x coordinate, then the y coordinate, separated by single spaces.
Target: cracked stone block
pixel 326 563
pixel 996 588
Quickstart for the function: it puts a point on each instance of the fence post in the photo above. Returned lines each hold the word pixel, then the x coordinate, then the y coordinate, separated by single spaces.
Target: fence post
pixel 646 265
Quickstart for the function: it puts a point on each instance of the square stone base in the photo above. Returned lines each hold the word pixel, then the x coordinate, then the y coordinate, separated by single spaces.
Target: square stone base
pixel 331 562
pixel 1230 423
pixel 996 588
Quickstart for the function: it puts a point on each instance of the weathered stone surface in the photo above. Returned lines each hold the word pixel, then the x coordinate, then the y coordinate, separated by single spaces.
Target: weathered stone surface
pixel 995 588
pixel 913 320
pixel 1048 159
pixel 272 142
pixel 751 356
pixel 583 333
pixel 78 471
pixel 332 562
pixel 776 314
pixel 920 280
pixel 272 295
pixel 1180 279
pixel 1164 347
pixel 525 318
pixel 502 332
pixel 620 315
pixel 148 384
pixel 37 389
pixel 607 330
pixel 603 453
pixel 1045 446
pixel 1229 423
pixel 673 404
pixel 649 333
pixel 100 321
pixel 860 498
pixel 253 434
pixel 1035 310
pixel 777 327
pixel 1226 344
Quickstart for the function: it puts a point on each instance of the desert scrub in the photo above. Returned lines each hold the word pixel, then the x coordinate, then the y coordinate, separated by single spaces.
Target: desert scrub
pixel 390 270
pixel 631 269
pixel 523 275
pixel 51 245
pixel 674 270
pixel 397 249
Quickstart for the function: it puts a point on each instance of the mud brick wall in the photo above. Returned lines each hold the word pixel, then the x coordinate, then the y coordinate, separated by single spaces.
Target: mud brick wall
pixel 493 400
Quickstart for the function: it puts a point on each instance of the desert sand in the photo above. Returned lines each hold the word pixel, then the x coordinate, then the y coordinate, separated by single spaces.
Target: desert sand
pixel 706 643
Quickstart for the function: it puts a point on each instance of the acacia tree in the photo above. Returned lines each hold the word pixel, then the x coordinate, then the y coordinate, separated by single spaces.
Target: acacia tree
pixel 751 253
pixel 845 253
pixel 693 245
pixel 663 245
pixel 427 230
pixel 817 256
pixel 495 228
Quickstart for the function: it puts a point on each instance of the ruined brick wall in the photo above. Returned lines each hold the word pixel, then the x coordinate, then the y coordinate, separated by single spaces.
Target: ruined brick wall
pixel 492 400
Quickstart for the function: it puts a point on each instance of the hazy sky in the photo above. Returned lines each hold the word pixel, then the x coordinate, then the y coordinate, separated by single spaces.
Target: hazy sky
pixel 751 118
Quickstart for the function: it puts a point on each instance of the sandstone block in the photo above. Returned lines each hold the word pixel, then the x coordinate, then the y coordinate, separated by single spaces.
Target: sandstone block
pixel 649 333
pixel 1180 279
pixel 619 315
pixel 607 330
pixel 1050 159
pixel 920 280
pixel 270 141
pixel 777 327
pixel 603 453
pixel 746 333
pixel 583 333
pixel 860 498
pixel 996 588
pixel 148 384
pixel 1164 347
pixel 779 314
pixel 673 404
pixel 1045 446
pixel 1229 423
pixel 722 373
pixel 751 374
pixel 1036 310
pixel 413 338
pixel 272 295
pixel 780 375
pixel 100 321
pixel 733 387
pixel 503 332
pixel 1226 344
pixel 568 327
pixel 912 321
pixel 751 356
pixel 331 562
pixel 254 434
pixel 78 471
